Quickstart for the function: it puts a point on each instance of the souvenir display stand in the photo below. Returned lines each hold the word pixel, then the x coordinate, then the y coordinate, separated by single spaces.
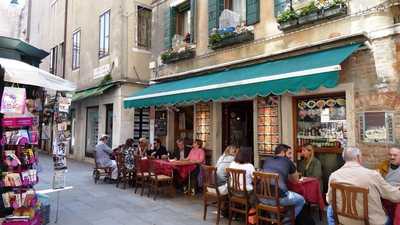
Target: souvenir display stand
pixel 20 125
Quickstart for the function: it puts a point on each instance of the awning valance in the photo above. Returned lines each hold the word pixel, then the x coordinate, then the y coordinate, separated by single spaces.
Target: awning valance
pixel 23 73
pixel 96 91
pixel 308 71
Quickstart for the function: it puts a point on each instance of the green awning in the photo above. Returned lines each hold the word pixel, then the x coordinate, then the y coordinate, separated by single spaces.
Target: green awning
pixel 294 74
pixel 79 95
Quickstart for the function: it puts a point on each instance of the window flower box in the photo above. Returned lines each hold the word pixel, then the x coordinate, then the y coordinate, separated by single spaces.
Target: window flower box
pixel 172 56
pixel 221 40
pixel 309 18
pixel 338 10
pixel 288 24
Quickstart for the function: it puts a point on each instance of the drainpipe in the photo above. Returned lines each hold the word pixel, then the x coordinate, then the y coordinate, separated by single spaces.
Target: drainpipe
pixel 65 36
pixel 28 30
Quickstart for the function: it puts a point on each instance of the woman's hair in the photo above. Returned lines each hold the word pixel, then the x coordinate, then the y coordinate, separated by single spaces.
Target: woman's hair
pixel 309 147
pixel 243 156
pixel 231 150
pixel 129 142
pixel 199 143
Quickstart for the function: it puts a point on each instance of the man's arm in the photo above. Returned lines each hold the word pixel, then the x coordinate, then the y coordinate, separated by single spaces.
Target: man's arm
pixel 386 190
pixel 107 149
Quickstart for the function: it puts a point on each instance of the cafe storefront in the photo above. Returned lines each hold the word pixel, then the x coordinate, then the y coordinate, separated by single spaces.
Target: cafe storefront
pixel 308 97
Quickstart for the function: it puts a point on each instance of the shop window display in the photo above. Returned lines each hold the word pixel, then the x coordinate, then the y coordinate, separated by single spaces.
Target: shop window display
pixel 321 121
pixel 268 124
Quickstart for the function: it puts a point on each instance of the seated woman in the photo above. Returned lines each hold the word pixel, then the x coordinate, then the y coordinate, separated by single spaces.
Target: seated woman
pixel 223 162
pixel 243 162
pixel 128 152
pixel 310 166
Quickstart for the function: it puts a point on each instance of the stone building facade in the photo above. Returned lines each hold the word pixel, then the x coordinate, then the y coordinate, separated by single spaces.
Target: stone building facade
pixel 368 78
pixel 104 53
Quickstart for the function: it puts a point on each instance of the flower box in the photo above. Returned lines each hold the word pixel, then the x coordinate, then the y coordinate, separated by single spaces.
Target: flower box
pixel 174 56
pixel 232 38
pixel 335 11
pixel 288 24
pixel 308 18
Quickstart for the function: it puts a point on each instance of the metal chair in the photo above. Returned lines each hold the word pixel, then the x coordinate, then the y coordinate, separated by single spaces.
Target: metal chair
pixel 348 199
pixel 99 171
pixel 266 187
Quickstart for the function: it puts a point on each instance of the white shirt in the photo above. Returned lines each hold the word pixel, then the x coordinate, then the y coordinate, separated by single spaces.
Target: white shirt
pixel 249 173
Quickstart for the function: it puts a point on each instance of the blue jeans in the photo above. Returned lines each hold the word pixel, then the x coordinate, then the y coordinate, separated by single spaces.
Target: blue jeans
pixel 331 218
pixel 292 198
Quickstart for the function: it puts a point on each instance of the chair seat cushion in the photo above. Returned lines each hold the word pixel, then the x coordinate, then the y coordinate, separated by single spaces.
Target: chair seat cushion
pixel 223 190
pixel 162 177
pixel 145 174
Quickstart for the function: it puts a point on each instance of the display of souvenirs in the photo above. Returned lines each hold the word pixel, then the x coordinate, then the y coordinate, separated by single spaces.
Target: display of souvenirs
pixel 18 200
pixel 13 100
pixel 11 179
pixel 11 159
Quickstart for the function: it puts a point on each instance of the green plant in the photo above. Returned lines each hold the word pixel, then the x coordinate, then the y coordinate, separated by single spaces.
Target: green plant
pixel 337 3
pixel 215 38
pixel 287 15
pixel 310 8
pixel 106 79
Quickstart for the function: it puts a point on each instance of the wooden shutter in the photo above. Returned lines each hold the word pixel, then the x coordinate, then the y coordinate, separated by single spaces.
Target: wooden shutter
pixel 252 12
pixel 215 8
pixel 279 6
pixel 193 20
pixel 169 26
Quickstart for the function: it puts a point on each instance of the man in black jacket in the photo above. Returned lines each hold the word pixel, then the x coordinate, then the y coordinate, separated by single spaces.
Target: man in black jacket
pixel 159 151
pixel 181 152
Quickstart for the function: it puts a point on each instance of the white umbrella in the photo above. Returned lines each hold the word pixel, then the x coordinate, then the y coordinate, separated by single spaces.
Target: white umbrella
pixel 23 73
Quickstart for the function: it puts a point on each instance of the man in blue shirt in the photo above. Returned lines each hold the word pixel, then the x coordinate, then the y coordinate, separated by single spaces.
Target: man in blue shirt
pixel 286 169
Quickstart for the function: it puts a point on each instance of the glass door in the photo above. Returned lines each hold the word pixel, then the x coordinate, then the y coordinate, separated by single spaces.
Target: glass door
pixel 92 130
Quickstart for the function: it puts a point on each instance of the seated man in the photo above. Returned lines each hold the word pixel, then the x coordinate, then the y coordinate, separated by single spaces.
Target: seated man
pixel 103 154
pixel 198 156
pixel 390 169
pixel 286 169
pixel 181 152
pixel 159 151
pixel 352 172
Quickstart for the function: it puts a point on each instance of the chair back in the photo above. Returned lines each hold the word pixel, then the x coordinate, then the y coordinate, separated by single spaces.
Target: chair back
pixel 348 207
pixel 138 165
pixel 119 158
pixel 210 178
pixel 236 181
pixel 266 186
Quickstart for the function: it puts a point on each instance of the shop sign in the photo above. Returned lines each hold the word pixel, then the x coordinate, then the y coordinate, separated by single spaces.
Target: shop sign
pixel 59 179
pixel 63 104
pixel 101 71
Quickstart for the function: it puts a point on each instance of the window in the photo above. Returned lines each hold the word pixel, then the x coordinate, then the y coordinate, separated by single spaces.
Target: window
pixel 183 21
pixel 376 127
pixel 237 6
pixel 53 60
pixel 144 27
pixel 104 42
pixel 76 43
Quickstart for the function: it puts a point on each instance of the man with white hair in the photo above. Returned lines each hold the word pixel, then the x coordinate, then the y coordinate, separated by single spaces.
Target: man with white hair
pixel 353 173
pixel 103 159
pixel 390 169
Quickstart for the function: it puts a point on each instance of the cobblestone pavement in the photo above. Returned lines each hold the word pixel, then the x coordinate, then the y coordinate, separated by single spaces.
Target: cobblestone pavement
pixel 104 204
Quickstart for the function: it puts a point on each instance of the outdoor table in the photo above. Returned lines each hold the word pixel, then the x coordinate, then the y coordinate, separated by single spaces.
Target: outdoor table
pixel 183 168
pixel 309 188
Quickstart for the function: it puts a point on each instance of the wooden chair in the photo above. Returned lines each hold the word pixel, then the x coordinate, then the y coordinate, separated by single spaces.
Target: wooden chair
pixel 124 175
pixel 266 187
pixel 99 171
pixel 211 193
pixel 348 199
pixel 142 175
pixel 239 199
pixel 159 182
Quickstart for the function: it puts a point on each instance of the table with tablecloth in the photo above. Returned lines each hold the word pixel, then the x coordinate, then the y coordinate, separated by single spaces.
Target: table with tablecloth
pixel 181 168
pixel 393 210
pixel 309 188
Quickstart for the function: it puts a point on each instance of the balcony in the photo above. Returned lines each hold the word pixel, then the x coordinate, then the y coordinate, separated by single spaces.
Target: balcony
pixel 172 56
pixel 291 19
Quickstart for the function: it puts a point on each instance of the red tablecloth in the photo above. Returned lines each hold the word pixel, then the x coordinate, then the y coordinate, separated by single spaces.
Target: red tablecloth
pixel 393 210
pixel 309 188
pixel 183 169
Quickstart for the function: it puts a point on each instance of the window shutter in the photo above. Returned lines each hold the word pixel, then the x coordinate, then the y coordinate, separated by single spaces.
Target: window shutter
pixel 215 8
pixel 252 12
pixel 193 20
pixel 169 26
pixel 279 6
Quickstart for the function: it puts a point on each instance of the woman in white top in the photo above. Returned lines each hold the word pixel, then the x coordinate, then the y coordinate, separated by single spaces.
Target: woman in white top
pixel 243 162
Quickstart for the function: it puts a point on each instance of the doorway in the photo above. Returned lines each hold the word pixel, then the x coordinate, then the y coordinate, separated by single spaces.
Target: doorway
pixel 184 124
pixel 237 125
pixel 92 130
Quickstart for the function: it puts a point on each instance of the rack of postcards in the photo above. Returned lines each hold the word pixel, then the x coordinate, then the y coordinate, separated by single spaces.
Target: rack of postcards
pixel 20 124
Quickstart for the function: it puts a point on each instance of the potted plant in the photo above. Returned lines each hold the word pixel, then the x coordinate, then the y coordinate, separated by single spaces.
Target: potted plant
pixel 225 37
pixel 172 55
pixel 287 19
pixel 308 13
pixel 335 8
